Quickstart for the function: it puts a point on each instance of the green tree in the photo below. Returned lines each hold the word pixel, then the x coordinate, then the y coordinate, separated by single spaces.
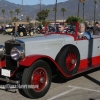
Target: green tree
pixel 42 15
pixel 17 11
pixel 73 19
pixel 3 11
pixel 63 10
pixel 14 19
pixel 11 13
pixel 27 18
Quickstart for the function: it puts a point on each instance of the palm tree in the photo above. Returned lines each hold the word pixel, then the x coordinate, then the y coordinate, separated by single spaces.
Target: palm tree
pixel 83 1
pixel 3 11
pixel 11 12
pixel 17 11
pixel 95 2
pixel 63 10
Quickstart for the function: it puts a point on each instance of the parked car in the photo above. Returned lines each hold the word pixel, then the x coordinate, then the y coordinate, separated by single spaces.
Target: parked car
pixel 22 31
pixel 33 61
pixel 8 30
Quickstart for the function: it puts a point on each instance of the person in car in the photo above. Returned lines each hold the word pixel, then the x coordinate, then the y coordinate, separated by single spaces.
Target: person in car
pixel 61 28
pixel 82 32
pixel 96 29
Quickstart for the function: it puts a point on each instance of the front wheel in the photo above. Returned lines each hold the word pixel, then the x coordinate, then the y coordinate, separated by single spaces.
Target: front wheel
pixel 31 33
pixel 21 34
pixel 39 77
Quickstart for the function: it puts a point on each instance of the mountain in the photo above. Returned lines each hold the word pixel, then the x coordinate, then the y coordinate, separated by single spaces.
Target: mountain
pixel 70 5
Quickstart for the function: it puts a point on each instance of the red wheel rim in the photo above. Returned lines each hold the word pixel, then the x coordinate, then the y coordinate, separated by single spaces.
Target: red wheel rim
pixel 39 79
pixel 71 61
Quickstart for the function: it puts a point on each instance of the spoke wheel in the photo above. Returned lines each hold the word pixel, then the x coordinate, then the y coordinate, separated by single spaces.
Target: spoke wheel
pixel 39 79
pixel 71 61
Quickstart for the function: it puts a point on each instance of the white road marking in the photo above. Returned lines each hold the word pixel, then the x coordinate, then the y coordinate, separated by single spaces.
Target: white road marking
pixel 84 88
pixel 59 95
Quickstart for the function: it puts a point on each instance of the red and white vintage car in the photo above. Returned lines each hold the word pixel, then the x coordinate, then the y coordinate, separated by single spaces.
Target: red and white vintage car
pixel 33 61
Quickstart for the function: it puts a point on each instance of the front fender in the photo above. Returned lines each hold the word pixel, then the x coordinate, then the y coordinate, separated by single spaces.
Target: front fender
pixel 29 60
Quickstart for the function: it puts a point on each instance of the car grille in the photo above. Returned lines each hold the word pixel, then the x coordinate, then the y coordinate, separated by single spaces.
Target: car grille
pixel 10 63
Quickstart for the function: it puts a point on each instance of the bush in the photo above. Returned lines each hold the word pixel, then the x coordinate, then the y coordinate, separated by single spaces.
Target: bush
pixel 73 19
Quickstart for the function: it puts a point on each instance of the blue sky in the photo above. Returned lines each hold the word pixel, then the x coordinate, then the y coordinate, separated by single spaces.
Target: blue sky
pixel 33 2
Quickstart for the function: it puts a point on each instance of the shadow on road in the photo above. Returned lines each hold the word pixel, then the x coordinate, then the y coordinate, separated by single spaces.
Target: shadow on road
pixel 59 80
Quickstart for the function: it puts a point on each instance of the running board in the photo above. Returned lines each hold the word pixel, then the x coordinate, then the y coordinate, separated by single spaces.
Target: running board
pixel 9 81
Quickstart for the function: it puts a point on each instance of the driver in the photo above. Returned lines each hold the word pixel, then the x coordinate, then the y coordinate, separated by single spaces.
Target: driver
pixel 61 28
pixel 82 32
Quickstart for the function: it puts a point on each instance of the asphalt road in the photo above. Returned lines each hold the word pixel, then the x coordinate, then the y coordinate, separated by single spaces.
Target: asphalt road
pixel 85 86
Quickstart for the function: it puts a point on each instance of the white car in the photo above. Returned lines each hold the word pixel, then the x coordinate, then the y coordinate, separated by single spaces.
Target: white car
pixel 33 61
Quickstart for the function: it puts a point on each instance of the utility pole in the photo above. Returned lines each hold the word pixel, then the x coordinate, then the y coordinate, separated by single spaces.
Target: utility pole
pixel 40 8
pixel 95 2
pixel 78 9
pixel 55 11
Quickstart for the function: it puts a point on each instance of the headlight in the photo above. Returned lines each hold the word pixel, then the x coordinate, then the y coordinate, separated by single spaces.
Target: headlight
pixel 2 51
pixel 17 53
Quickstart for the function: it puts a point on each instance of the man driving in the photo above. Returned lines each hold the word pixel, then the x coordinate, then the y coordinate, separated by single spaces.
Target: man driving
pixel 61 28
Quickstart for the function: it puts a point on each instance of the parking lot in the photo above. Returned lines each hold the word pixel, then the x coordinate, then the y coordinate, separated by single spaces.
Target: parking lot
pixel 85 86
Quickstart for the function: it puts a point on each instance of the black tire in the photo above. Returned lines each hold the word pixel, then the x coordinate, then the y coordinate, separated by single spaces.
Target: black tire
pixel 27 76
pixel 62 56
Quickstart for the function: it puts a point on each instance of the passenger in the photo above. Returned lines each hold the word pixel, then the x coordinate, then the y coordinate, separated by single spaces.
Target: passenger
pixel 96 29
pixel 61 28
pixel 83 32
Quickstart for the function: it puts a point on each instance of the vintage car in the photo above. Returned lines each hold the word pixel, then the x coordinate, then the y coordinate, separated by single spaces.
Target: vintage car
pixel 8 30
pixel 33 61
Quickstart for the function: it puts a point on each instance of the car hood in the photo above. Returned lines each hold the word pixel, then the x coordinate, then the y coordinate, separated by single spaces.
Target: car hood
pixel 45 45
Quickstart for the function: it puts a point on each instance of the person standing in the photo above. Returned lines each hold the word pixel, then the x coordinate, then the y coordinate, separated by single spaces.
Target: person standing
pixel 15 33
pixel 96 29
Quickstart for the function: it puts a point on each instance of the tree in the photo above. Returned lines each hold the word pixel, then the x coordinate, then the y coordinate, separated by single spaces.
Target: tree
pixel 42 15
pixel 73 19
pixel 48 11
pixel 63 10
pixel 27 18
pixel 14 19
pixel 17 11
pixel 11 12
pixel 3 11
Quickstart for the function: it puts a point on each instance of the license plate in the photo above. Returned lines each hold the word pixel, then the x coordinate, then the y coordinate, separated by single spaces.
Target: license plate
pixel 5 72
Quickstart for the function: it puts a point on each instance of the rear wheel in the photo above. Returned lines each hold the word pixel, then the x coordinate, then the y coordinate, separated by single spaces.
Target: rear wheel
pixel 39 77
pixel 69 59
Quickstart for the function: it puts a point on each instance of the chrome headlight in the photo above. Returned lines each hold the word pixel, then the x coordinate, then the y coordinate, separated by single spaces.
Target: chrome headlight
pixel 17 53
pixel 2 51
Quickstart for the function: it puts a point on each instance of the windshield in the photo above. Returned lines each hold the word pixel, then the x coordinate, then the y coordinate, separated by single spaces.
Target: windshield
pixel 64 28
